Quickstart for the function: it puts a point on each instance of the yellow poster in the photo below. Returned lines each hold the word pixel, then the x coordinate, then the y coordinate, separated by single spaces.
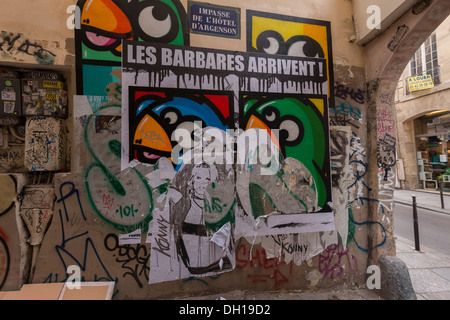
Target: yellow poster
pixel 418 83
pixel 293 36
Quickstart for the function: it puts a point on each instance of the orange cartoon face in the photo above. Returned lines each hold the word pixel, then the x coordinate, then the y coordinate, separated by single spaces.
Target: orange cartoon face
pixel 105 23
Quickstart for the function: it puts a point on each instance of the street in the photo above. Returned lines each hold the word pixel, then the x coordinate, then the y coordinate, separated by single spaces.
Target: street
pixel 434 227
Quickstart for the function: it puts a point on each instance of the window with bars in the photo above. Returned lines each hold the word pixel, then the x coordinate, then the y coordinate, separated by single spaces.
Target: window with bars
pixel 416 63
pixel 425 61
pixel 431 58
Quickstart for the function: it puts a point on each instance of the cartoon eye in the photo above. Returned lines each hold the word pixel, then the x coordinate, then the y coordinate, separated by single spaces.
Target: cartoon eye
pixel 304 46
pixel 157 22
pixel 188 131
pixel 171 117
pixel 291 131
pixel 269 42
pixel 272 46
pixel 271 114
pixel 296 49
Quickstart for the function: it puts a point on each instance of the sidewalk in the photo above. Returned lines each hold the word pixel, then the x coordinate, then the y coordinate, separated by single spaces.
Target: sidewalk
pixel 425 199
pixel 429 270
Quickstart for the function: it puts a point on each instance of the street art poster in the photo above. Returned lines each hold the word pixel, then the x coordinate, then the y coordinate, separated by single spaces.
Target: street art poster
pixel 103 24
pixel 293 36
pixel 239 142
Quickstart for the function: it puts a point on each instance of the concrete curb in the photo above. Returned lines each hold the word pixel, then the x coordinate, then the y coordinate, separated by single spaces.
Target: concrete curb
pixel 434 209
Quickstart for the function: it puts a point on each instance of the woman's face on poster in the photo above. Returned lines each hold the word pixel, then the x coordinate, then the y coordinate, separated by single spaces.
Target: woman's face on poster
pixel 201 179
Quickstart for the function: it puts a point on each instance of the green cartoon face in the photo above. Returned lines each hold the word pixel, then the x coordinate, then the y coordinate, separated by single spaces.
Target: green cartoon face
pixel 301 133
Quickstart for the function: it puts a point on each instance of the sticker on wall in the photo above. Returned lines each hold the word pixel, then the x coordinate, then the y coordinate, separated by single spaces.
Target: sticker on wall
pixel 44 144
pixel 105 23
pixel 10 93
pixel 44 94
pixel 214 20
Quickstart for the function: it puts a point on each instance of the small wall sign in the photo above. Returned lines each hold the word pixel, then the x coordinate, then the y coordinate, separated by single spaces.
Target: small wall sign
pixel 214 20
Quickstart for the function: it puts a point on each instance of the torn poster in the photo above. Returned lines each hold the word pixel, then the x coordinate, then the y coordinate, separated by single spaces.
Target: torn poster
pixel 240 145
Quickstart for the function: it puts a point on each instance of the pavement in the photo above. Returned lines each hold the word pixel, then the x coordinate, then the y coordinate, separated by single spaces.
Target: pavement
pixel 425 199
pixel 429 269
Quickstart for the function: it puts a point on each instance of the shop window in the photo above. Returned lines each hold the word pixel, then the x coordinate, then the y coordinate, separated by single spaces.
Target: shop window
pixel 433 147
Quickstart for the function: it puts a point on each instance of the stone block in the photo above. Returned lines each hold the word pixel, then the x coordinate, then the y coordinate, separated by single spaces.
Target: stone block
pixel 395 279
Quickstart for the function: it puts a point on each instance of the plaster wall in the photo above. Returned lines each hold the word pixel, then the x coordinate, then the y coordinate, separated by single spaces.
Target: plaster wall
pixel 367 12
